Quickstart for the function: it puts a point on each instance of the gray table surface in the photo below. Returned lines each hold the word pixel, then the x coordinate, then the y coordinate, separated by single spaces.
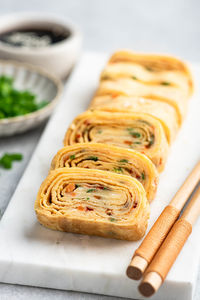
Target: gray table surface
pixel 172 27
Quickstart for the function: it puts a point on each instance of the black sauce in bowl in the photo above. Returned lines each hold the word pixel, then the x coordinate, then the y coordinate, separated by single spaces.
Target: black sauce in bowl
pixel 34 37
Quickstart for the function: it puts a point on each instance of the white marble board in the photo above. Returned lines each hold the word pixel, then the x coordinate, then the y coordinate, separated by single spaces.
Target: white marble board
pixel 33 255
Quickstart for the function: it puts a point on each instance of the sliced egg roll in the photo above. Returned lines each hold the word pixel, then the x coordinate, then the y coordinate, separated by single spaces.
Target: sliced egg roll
pixel 137 131
pixel 93 202
pixel 130 87
pixel 109 158
pixel 150 68
pixel 164 112
pixel 162 78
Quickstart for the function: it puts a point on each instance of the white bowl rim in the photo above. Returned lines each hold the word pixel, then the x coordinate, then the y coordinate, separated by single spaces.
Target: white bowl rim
pixel 21 17
pixel 57 82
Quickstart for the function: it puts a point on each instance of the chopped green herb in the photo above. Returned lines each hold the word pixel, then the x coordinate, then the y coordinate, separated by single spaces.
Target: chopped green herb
pixel 123 161
pixel 99 131
pixel 87 198
pixel 112 219
pixel 95 158
pixel 16 156
pixel 15 103
pixel 91 190
pixel 72 156
pixel 143 176
pixel 135 134
pixel 7 159
pixel 149 69
pixel 133 77
pixel 152 138
pixel 165 83
pixel 138 143
pixel 145 122
pixel 118 170
pixel 106 188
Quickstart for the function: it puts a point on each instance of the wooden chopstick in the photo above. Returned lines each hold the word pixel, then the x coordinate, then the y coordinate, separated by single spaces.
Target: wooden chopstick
pixel 171 247
pixel 152 242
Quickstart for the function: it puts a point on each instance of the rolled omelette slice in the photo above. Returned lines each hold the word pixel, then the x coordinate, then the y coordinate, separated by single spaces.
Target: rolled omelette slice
pixel 151 68
pixel 93 202
pixel 137 131
pixel 158 77
pixel 130 87
pixel 109 158
pixel 164 112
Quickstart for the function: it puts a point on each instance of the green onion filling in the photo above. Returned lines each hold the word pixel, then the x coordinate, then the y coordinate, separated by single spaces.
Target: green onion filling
pixel 165 83
pixel 118 170
pixel 90 190
pixel 123 160
pixel 94 158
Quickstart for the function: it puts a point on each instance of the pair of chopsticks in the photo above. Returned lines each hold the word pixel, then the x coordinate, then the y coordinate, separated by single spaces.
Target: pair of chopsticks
pixel 162 245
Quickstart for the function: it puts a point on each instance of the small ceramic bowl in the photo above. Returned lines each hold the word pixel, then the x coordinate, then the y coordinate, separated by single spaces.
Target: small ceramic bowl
pixel 57 58
pixel 43 85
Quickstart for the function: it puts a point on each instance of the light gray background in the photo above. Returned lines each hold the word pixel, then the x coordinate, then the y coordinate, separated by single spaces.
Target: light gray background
pixel 171 26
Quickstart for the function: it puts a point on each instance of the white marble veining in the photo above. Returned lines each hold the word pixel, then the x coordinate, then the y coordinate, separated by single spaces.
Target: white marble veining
pixel 33 255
